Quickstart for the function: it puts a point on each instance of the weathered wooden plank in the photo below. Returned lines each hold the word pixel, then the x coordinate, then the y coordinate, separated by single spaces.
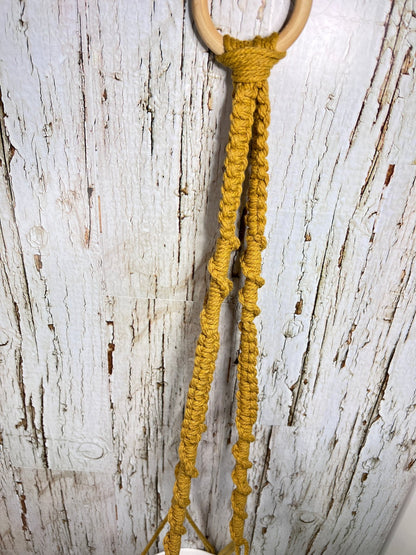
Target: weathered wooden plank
pixel 50 511
pixel 49 266
pixel 114 120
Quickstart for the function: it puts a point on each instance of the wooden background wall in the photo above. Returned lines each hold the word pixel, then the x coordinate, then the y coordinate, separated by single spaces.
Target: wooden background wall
pixel 114 119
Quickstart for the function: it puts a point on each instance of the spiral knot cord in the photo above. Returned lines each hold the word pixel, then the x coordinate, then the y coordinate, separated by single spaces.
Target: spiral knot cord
pixel 250 62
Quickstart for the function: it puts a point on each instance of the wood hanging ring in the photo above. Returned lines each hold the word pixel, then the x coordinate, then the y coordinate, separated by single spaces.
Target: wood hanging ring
pixel 214 40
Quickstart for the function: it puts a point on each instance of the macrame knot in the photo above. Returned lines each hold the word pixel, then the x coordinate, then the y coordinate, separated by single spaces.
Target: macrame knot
pixel 250 60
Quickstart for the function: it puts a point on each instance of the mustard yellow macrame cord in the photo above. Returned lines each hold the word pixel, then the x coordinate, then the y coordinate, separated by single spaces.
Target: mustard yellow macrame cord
pixel 251 267
pixel 208 343
pixel 207 545
pixel 250 69
pixel 250 62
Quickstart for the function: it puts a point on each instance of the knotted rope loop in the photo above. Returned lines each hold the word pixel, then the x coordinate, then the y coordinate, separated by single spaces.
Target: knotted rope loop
pixel 250 60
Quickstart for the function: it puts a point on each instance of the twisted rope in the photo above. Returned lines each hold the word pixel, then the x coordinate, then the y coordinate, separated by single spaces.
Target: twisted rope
pixel 250 62
pixel 246 415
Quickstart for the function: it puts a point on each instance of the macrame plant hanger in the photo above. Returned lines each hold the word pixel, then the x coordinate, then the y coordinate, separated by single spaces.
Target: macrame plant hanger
pixel 250 63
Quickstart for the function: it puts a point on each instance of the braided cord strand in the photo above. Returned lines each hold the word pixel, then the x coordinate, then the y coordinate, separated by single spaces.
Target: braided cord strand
pixel 251 62
pixel 220 286
pixel 247 394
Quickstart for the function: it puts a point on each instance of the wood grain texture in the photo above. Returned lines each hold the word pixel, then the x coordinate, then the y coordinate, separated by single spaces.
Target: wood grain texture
pixel 114 119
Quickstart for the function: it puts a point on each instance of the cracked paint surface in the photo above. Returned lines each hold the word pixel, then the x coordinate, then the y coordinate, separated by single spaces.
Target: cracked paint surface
pixel 113 125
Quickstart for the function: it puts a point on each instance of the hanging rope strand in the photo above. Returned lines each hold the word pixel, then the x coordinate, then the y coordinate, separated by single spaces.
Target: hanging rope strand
pixel 250 62
pixel 247 394
pixel 220 286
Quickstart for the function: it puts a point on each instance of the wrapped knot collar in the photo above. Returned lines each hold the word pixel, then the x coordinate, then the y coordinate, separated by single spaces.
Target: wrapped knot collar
pixel 250 60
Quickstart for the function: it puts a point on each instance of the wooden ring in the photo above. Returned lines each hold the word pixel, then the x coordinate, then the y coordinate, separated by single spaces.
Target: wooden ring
pixel 214 40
